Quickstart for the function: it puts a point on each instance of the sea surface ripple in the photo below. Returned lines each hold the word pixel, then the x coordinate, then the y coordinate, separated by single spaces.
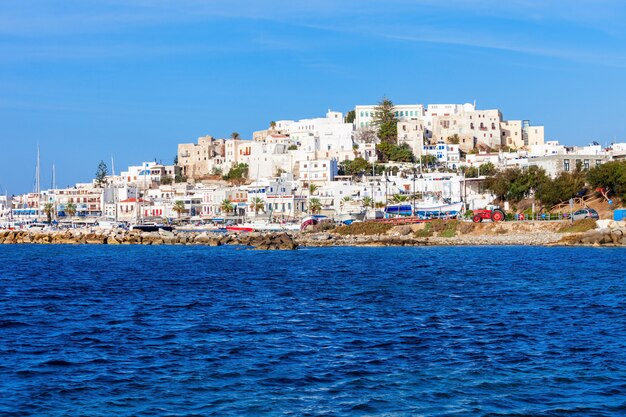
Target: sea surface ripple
pixel 198 331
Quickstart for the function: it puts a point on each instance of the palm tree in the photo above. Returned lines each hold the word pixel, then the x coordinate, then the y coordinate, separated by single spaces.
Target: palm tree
pixel 179 207
pixel 226 206
pixel 343 202
pixel 315 206
pixel 257 204
pixel 399 198
pixel 313 188
pixel 48 209
pixel 70 209
pixel 234 135
pixel 367 201
pixel 272 125
pixel 380 204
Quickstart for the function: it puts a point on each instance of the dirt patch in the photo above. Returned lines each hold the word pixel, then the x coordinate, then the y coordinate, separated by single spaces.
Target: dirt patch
pixel 579 226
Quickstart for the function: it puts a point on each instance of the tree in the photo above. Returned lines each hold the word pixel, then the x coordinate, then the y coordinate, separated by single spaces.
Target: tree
pixel 610 176
pixel 237 174
pixel 402 153
pixel 513 184
pixel 354 167
pixel 385 120
pixel 454 139
pixel 367 201
pixel 70 209
pixel 293 147
pixel 350 116
pixel 180 178
pixel 315 206
pixel 179 207
pixel 48 209
pixel 487 169
pixel 428 160
pixel 234 135
pixel 226 206
pixel 167 180
pixel 101 175
pixel 272 125
pixel 176 160
pixel 365 135
pixel 342 203
pixel 399 198
pixel 390 152
pixel 565 186
pixel 257 204
pixel 313 188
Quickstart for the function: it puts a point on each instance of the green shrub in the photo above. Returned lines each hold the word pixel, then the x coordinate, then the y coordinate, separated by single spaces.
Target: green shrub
pixel 363 228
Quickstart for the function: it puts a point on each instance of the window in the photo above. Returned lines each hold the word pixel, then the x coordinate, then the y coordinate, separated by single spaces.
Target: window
pixel 586 164
pixel 566 165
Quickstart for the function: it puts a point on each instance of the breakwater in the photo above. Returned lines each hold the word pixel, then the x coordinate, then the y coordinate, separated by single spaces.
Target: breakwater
pixel 604 233
pixel 135 237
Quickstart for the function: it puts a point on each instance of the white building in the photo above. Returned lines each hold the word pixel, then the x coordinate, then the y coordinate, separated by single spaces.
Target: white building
pixel 5 206
pixel 318 171
pixel 446 153
pixel 404 112
pixel 269 159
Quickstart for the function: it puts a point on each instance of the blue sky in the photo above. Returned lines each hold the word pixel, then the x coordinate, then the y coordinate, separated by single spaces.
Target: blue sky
pixel 91 79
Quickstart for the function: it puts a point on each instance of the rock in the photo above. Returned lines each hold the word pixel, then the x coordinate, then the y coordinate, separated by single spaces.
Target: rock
pixel 616 236
pixel 281 241
pixel 592 237
pixel 202 239
pixel 400 230
pixel 320 236
pixel 112 241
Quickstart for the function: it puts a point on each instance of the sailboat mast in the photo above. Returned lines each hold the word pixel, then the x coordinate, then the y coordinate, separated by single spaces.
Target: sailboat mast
pixel 37 180
pixel 114 187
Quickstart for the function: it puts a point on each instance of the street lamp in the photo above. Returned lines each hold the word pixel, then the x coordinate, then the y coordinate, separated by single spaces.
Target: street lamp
pixel 386 188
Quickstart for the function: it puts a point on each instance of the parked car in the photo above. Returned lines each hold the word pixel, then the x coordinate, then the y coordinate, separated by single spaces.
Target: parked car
pixel 587 213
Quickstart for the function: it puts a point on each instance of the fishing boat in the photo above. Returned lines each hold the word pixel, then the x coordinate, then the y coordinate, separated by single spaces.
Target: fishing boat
pixel 262 226
pixel 152 227
pixel 425 209
pixel 313 220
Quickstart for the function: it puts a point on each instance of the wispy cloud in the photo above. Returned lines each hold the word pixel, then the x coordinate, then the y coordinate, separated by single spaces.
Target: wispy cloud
pixel 533 27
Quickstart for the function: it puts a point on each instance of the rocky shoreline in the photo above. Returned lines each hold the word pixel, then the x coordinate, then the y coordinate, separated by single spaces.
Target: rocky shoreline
pixel 526 234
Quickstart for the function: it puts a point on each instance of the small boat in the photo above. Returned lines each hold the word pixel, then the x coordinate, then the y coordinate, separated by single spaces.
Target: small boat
pixel 425 209
pixel 313 220
pixel 152 227
pixel 262 226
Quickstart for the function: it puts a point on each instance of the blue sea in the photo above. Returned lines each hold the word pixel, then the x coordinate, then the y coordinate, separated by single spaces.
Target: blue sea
pixel 226 331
